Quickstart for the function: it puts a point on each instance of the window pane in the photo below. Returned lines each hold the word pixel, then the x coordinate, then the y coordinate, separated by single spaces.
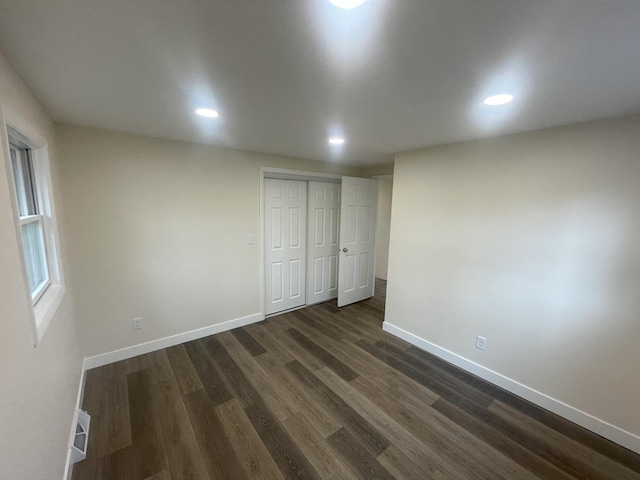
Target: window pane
pixel 24 181
pixel 17 179
pixel 34 255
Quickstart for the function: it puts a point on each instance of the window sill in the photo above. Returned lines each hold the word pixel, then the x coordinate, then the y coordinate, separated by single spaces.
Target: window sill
pixel 46 308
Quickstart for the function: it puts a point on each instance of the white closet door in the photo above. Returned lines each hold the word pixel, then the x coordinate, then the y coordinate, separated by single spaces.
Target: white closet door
pixel 356 277
pixel 285 244
pixel 323 241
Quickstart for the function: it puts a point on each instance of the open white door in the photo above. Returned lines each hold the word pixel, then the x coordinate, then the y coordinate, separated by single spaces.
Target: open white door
pixel 356 274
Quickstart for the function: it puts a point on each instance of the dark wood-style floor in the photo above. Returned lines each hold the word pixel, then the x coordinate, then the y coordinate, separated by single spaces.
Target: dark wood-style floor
pixel 324 393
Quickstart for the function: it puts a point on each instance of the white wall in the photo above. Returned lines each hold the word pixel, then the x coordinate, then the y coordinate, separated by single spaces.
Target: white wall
pixel 530 240
pixel 383 226
pixel 38 387
pixel 158 229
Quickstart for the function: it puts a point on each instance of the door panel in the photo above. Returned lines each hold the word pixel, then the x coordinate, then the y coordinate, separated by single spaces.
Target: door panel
pixel 324 214
pixel 277 282
pixel 285 249
pixel 333 272
pixel 357 240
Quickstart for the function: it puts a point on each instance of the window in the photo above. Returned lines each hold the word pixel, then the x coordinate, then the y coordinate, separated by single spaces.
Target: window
pixel 37 229
pixel 31 220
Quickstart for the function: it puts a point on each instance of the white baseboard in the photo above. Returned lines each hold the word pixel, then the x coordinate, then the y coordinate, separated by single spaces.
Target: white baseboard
pixel 602 428
pixel 68 470
pixel 159 344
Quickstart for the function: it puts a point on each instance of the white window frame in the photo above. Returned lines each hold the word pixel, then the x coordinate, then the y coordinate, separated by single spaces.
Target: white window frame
pixel 24 155
pixel 47 298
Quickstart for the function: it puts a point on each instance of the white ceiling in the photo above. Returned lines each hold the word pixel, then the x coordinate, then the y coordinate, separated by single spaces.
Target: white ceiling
pixel 390 75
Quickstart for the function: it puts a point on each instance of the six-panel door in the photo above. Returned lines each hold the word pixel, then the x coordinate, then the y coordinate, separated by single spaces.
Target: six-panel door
pixel 323 241
pixel 356 274
pixel 285 244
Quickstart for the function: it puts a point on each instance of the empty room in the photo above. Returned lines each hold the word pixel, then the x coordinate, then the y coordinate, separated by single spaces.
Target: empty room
pixel 320 239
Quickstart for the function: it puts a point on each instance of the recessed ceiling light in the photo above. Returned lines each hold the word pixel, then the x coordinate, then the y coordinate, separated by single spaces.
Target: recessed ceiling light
pixel 336 141
pixel 347 4
pixel 207 112
pixel 498 99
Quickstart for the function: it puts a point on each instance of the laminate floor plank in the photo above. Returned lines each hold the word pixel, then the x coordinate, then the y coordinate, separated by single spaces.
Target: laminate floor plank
pixel 368 435
pixel 381 419
pixel 253 455
pixel 421 376
pixel 209 372
pixel 146 434
pixel 324 393
pixel 359 458
pixel 183 370
pixel 258 378
pixel 364 364
pixel 318 318
pixel 120 465
pixel 163 475
pixel 92 404
pixel 400 466
pixel 478 383
pixel 94 385
pixel 183 455
pixel 535 464
pixel 293 390
pixel 220 458
pixel 234 376
pixel 321 354
pixel 309 316
pixel 248 342
pixel 115 431
pixel 260 331
pixel 595 442
pixel 283 449
pixel 298 352
pixel 438 375
pixel 586 463
pixel 463 455
pixel 317 450
pixel 348 321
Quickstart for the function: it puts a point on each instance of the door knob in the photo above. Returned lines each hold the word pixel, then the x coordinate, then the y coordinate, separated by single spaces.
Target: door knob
pixel 345 250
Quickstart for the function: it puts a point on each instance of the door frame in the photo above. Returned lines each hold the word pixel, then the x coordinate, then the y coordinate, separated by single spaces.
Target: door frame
pixel 282 174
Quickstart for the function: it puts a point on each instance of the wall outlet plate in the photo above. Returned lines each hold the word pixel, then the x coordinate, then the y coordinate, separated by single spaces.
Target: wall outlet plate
pixel 137 323
pixel 481 343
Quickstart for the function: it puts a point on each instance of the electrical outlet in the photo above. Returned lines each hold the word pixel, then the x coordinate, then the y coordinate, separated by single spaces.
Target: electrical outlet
pixel 137 323
pixel 251 239
pixel 481 343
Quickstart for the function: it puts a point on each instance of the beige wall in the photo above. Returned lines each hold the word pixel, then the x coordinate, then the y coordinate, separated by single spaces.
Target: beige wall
pixel 377 170
pixel 530 240
pixel 385 188
pixel 38 387
pixel 158 229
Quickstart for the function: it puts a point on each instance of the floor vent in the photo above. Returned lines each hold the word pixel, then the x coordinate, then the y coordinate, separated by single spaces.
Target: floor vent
pixel 81 437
